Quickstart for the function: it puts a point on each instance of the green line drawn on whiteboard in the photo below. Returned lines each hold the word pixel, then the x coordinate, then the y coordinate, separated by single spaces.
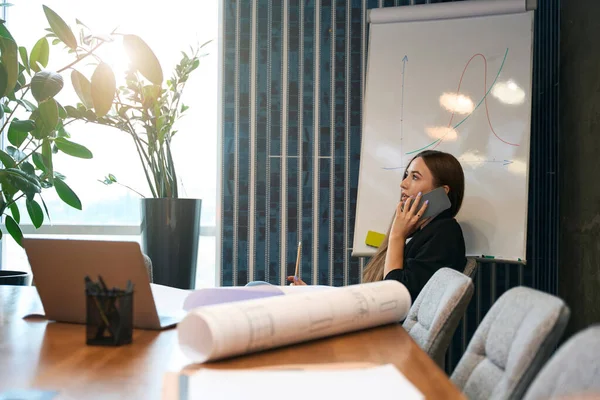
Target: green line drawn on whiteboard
pixel 471 113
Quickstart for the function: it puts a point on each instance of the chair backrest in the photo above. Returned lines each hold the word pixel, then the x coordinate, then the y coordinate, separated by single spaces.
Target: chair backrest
pixel 148 264
pixel 573 370
pixel 470 267
pixel 514 340
pixel 435 314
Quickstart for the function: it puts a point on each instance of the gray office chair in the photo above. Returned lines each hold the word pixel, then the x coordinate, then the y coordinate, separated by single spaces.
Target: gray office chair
pixel 510 346
pixel 148 264
pixel 434 316
pixel 573 370
pixel 470 267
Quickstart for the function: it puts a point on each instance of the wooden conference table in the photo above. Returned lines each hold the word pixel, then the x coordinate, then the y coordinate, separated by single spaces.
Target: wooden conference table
pixel 36 354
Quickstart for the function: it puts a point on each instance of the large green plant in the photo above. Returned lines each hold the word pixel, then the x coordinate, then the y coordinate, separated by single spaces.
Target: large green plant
pixel 28 88
pixel 144 107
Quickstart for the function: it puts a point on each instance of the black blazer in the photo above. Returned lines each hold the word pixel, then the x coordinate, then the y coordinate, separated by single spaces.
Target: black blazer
pixel 439 244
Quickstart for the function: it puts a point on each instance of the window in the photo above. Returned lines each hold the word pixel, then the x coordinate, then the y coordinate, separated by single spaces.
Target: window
pixel 113 212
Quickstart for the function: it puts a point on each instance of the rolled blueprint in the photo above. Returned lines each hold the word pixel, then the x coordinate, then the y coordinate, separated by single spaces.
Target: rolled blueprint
pixel 225 330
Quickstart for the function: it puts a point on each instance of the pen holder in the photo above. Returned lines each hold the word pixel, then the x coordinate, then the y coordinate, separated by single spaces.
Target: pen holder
pixel 109 318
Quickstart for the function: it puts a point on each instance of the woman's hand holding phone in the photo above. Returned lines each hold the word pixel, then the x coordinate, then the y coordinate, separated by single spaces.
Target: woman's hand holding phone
pixel 408 218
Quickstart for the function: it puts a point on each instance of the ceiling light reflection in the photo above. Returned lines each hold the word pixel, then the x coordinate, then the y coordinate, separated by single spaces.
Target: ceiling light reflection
pixel 457 103
pixel 508 92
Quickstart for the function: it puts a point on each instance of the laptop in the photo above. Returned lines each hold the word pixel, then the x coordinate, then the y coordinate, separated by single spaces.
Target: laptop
pixel 59 267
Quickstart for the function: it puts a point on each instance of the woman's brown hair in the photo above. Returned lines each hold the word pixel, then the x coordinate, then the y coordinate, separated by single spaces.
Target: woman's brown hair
pixel 446 170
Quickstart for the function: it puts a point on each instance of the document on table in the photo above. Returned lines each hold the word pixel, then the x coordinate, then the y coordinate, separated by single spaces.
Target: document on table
pixel 383 382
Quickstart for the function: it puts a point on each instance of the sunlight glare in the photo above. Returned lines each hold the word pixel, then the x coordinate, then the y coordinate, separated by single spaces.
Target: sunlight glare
pixel 114 55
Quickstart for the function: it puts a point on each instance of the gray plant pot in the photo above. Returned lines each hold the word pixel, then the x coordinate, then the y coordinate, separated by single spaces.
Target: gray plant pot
pixel 170 233
pixel 15 278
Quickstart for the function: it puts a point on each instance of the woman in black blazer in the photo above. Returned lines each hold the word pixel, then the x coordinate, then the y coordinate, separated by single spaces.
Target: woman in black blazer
pixel 414 249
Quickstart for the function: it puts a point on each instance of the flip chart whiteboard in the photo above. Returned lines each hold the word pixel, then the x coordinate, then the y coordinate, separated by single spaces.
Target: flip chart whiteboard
pixel 454 77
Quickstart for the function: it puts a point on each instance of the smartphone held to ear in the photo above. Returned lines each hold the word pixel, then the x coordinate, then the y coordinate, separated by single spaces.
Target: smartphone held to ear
pixel 438 202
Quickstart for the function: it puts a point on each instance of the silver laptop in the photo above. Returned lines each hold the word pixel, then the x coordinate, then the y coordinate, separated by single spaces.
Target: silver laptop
pixel 59 267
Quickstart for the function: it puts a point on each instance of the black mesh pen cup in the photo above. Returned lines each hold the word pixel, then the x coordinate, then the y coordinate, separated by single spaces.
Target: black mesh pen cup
pixel 109 318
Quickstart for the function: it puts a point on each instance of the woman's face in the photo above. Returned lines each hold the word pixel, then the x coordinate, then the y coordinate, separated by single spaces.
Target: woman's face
pixel 418 179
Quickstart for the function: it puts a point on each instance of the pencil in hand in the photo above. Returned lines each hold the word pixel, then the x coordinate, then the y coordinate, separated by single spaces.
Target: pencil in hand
pixel 298 260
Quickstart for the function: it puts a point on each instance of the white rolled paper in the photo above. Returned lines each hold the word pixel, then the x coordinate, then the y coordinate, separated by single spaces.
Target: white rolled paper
pixel 225 330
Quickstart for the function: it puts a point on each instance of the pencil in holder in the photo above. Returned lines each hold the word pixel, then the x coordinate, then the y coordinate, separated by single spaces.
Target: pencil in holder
pixel 109 315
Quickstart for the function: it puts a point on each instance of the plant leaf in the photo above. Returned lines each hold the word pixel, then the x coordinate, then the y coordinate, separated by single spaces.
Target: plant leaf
pixel 73 112
pixel 90 115
pixel 39 55
pixel 27 168
pixel 29 106
pixel 24 58
pixel 78 22
pixel 16 136
pixel 25 125
pixel 10 60
pixel 13 228
pixel 83 88
pixel 15 153
pixel 60 128
pixel 35 213
pixel 58 175
pixel 9 191
pixel 60 28
pixel 3 78
pixel 7 160
pixel 38 161
pixel 45 207
pixel 73 149
pixel 14 209
pixel 21 181
pixel 104 86
pixel 4 32
pixel 143 58
pixel 62 113
pixel 46 84
pixel 47 157
pixel 66 194
pixel 48 117
pixel 18 131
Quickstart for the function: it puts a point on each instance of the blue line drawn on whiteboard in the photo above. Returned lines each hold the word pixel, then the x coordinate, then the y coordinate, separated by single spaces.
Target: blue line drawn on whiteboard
pixel 483 100
pixel 404 61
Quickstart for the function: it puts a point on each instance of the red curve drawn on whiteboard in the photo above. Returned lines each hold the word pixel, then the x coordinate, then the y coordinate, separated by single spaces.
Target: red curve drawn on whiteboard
pixel 487 111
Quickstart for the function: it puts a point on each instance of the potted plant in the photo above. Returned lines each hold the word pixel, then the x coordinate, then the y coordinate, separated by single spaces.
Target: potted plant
pixel 34 128
pixel 146 109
